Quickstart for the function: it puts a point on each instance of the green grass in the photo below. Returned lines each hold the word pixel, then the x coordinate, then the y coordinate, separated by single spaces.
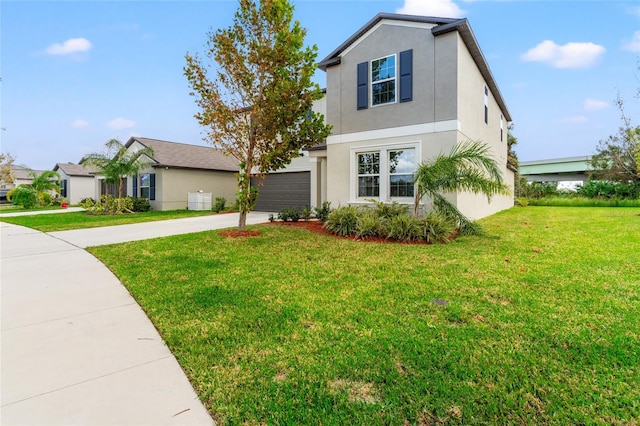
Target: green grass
pixel 582 202
pixel 540 322
pixel 10 208
pixel 81 220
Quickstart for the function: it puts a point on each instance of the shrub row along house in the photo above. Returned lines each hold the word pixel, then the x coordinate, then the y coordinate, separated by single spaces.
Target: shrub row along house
pixel 399 91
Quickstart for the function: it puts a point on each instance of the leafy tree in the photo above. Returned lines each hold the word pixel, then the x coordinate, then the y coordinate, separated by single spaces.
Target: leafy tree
pixel 512 155
pixel 257 107
pixel 118 163
pixel 46 181
pixel 617 157
pixel 468 167
pixel 6 173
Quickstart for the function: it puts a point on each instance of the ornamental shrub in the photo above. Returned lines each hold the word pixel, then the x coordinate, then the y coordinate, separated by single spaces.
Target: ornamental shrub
pixel 437 228
pixel 140 204
pixel 343 221
pixel 404 228
pixel 23 196
pixel 219 204
pixel 322 213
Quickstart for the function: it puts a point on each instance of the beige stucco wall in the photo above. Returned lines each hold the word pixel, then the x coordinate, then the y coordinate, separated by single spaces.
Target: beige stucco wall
pixel 473 127
pixel 78 187
pixel 173 186
pixel 385 39
pixel 341 161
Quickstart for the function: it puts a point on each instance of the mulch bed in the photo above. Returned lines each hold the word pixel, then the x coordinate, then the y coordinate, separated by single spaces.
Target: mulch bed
pixel 313 225
pixel 316 226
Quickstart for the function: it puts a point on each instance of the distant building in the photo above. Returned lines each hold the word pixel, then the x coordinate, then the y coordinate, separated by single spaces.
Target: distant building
pixel 567 172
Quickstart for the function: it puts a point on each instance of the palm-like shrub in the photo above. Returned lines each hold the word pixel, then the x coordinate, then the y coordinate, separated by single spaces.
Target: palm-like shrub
pixel 23 196
pixel 404 228
pixel 437 228
pixel 343 221
pixel 468 167
pixel 118 163
pixel 368 225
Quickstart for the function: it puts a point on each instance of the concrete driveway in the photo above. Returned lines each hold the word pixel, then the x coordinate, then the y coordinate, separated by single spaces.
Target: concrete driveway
pixel 76 347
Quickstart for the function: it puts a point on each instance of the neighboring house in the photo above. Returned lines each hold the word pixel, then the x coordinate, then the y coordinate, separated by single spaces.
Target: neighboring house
pixel 76 181
pixel 178 169
pixel 22 176
pixel 399 91
pixel 567 172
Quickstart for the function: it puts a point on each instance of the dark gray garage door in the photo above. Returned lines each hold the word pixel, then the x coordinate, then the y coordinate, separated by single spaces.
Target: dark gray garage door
pixel 281 190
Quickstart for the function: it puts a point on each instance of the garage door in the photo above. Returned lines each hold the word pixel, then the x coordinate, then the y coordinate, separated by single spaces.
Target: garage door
pixel 281 190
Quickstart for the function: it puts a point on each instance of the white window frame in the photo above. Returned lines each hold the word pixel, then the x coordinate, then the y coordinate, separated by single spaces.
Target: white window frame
pixel 385 174
pixel 148 187
pixel 394 79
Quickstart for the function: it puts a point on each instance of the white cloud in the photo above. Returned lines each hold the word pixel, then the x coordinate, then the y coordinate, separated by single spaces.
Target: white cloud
pixel 73 45
pixel 120 123
pixel 594 105
pixel 633 45
pixel 437 8
pixel 571 55
pixel 79 123
pixel 574 120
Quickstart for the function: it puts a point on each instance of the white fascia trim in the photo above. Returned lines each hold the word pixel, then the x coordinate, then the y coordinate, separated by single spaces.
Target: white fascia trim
pixel 386 22
pixel 394 132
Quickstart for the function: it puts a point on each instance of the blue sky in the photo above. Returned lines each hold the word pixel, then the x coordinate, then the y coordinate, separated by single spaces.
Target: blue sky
pixel 76 74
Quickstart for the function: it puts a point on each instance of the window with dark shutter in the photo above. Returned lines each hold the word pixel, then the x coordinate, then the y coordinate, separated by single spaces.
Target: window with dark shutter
pixel 152 186
pixel 406 76
pixel 63 188
pixel 135 185
pixel 363 83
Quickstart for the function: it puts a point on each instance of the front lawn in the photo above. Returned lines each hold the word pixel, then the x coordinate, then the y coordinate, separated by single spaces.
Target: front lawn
pixel 81 220
pixel 536 323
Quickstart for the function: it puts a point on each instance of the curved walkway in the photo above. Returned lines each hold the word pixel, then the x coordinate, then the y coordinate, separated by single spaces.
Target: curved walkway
pixel 76 347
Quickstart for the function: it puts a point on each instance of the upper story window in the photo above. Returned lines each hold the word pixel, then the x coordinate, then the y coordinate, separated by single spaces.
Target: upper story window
pixel 383 80
pixel 390 80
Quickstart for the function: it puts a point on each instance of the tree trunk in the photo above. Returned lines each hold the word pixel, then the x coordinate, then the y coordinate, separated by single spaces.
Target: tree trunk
pixel 120 194
pixel 242 223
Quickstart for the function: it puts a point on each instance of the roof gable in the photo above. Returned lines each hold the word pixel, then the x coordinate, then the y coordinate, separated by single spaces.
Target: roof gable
pixel 440 26
pixel 75 169
pixel 181 155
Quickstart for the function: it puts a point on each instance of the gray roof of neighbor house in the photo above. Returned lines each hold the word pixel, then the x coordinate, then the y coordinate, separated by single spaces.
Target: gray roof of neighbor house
pixel 443 26
pixel 22 172
pixel 185 156
pixel 71 169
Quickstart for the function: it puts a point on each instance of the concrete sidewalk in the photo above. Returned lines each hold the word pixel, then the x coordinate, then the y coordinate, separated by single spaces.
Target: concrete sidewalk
pixel 143 231
pixel 76 347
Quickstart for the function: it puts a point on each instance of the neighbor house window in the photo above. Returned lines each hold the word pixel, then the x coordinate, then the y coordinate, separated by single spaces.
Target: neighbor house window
pixel 402 165
pixel 386 173
pixel 369 174
pixel 145 185
pixel 486 105
pixel 383 80
pixel 63 188
pixel 501 127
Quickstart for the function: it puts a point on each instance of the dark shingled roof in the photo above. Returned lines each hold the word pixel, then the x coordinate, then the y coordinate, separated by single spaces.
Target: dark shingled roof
pixel 185 156
pixel 443 26
pixel 75 169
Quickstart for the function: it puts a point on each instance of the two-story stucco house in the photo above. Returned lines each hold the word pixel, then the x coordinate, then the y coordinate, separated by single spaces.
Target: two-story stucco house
pixel 399 91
